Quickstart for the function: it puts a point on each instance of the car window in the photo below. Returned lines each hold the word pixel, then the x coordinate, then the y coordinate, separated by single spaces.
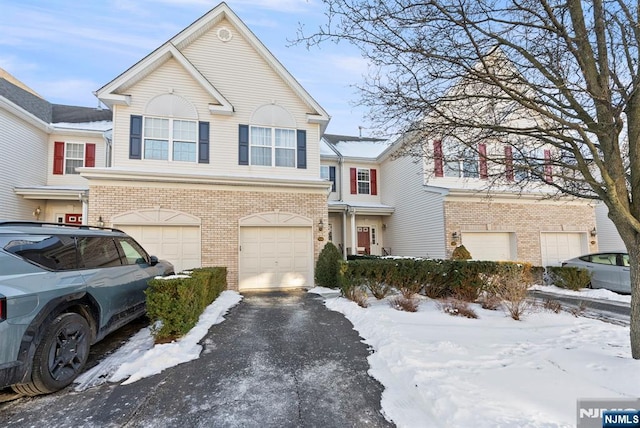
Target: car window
pixel 52 252
pixel 625 259
pixel 604 259
pixel 98 252
pixel 133 253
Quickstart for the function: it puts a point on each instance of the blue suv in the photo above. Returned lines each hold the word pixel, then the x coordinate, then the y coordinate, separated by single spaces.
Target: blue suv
pixel 62 289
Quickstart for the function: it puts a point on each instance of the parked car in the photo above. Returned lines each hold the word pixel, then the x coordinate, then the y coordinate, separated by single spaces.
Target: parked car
pixel 608 270
pixel 62 289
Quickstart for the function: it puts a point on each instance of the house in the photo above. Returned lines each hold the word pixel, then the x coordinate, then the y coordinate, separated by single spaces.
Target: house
pixel 42 144
pixel 215 157
pixel 357 215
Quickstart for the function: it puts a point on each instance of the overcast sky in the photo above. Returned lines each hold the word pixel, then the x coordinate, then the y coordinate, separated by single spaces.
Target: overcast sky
pixel 66 49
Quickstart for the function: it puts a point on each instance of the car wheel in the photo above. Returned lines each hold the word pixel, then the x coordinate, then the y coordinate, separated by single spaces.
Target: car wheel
pixel 60 356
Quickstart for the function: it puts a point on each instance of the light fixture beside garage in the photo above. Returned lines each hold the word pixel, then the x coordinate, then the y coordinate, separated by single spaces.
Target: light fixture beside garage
pixel 593 232
pixel 320 225
pixel 100 222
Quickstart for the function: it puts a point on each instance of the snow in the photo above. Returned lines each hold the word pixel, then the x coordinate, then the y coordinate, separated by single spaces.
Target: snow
pixel 492 371
pixel 362 149
pixel 595 294
pixel 447 371
pixel 139 358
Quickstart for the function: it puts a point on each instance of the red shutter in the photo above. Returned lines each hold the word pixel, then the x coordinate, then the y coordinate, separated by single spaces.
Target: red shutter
pixel 508 162
pixel 58 157
pixel 354 181
pixel 482 150
pixel 90 155
pixel 548 172
pixel 374 182
pixel 437 158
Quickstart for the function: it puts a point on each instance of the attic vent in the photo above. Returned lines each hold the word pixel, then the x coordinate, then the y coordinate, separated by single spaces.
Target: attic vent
pixel 224 34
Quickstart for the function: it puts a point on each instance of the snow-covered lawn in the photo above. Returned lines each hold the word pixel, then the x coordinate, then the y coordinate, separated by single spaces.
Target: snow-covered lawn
pixel 444 371
pixel 492 371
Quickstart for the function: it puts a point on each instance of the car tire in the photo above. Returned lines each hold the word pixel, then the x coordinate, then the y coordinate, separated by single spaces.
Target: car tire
pixel 60 356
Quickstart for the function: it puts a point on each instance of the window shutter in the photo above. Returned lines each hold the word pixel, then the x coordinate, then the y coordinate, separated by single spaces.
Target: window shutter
pixel 243 145
pixel 332 177
pixel 548 172
pixel 508 162
pixel 482 150
pixel 58 158
pixel 89 155
pixel 135 137
pixel 438 167
pixel 354 181
pixel 373 175
pixel 302 148
pixel 203 142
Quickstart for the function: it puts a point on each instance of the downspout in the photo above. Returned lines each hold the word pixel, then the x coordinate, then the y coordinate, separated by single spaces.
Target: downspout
pixel 84 198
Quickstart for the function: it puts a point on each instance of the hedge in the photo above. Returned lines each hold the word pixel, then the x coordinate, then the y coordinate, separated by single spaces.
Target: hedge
pixel 569 277
pixel 178 302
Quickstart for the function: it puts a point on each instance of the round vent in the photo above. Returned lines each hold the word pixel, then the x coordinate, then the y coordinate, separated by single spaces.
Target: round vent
pixel 224 34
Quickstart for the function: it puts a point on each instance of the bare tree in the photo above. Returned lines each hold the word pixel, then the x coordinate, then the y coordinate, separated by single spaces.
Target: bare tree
pixel 527 74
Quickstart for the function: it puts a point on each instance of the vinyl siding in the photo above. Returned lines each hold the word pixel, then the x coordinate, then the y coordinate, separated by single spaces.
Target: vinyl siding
pixel 416 228
pixel 24 152
pixel 245 79
pixel 608 237
pixel 347 196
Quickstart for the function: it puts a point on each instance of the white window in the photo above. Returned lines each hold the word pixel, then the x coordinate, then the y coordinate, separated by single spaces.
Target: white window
pixel 272 146
pixel 461 162
pixel 170 139
pixel 364 181
pixel 324 172
pixel 73 157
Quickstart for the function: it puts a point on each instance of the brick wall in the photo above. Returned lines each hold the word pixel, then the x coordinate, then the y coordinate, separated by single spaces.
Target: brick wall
pixel 219 211
pixel 526 219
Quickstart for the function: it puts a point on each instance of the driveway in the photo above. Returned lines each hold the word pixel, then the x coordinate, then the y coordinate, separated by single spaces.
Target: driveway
pixel 280 359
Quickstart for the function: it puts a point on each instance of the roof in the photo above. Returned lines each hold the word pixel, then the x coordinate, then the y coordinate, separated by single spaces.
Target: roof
pixel 74 114
pixel 356 147
pixel 26 100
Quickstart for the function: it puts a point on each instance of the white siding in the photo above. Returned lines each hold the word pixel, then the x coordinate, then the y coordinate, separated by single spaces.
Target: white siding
pixel 240 75
pixel 24 153
pixel 346 183
pixel 608 237
pixel 416 228
pixel 72 179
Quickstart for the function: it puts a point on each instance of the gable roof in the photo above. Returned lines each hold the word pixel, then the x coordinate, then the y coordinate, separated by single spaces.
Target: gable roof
pixel 111 94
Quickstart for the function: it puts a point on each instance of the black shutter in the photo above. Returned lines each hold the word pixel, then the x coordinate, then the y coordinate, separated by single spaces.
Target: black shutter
pixel 332 177
pixel 203 142
pixel 302 148
pixel 243 145
pixel 135 137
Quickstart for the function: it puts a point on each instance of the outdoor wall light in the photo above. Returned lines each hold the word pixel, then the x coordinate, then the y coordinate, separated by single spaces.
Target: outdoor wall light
pixel 384 226
pixel 37 212
pixel 454 235
pixel 320 225
pixel 100 222
pixel 593 232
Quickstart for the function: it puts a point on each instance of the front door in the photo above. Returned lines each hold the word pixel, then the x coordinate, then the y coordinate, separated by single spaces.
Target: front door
pixel 364 240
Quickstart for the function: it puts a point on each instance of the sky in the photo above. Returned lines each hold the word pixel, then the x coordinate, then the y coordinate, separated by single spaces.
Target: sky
pixel 67 49
pixel 434 367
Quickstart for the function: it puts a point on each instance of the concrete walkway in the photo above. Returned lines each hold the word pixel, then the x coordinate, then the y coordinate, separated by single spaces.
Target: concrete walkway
pixel 280 359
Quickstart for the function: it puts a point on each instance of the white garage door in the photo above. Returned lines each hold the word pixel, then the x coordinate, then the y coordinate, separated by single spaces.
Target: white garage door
pixel 178 244
pixel 495 246
pixel 557 247
pixel 275 257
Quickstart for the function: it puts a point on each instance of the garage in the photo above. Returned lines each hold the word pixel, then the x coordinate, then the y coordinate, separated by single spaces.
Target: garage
pixel 275 257
pixel 496 246
pixel 167 234
pixel 557 247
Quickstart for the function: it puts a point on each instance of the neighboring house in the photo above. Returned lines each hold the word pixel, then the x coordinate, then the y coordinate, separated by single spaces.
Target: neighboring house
pixel 42 144
pixel 357 216
pixel 216 158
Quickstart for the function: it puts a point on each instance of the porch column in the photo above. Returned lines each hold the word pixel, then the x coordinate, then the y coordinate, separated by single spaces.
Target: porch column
pixel 85 208
pixel 354 236
pixel 344 234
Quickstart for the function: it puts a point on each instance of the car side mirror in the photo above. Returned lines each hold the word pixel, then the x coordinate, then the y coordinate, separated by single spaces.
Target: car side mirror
pixel 153 260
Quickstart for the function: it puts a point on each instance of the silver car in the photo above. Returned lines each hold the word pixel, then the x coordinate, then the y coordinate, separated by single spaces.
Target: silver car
pixel 608 270
pixel 62 289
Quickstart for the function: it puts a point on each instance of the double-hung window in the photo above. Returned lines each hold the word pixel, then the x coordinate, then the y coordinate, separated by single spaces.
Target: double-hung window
pixel 170 139
pixel 69 156
pixel 461 163
pixel 364 181
pixel 73 157
pixel 272 146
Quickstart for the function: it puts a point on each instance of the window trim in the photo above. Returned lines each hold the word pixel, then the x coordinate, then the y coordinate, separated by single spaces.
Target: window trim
pixel 273 146
pixel 171 140
pixel 368 181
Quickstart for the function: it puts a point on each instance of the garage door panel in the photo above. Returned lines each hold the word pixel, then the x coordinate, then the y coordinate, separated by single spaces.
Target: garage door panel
pixel 494 246
pixel 557 247
pixel 273 257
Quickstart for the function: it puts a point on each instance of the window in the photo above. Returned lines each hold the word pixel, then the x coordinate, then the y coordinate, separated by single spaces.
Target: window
pixel 69 156
pixel 51 252
pixel 170 139
pixel 364 184
pixel 272 146
pixel 324 172
pixel 133 253
pixel 529 166
pixel 463 163
pixel 98 252
pixel 329 173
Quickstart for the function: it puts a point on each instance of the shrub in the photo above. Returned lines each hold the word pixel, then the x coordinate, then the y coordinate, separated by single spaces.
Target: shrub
pixel 327 266
pixel 358 295
pixel 461 253
pixel 510 283
pixel 552 305
pixel 178 302
pixel 458 308
pixel 403 303
pixel 569 277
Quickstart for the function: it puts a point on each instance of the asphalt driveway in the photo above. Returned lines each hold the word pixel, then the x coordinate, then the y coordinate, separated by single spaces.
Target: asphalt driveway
pixel 280 359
